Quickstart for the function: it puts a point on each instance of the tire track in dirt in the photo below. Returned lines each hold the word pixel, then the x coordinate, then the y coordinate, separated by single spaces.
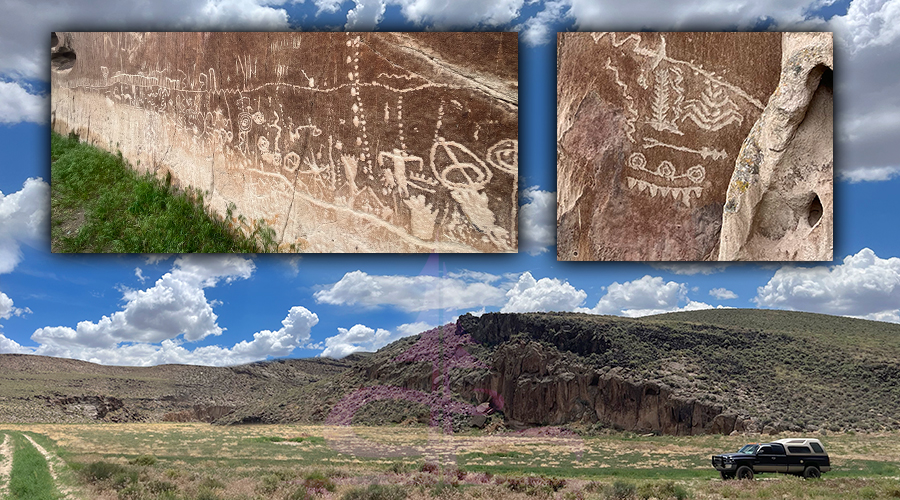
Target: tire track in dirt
pixel 54 463
pixel 5 464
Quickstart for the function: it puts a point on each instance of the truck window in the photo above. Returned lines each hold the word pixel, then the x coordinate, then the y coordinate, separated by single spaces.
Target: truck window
pixel 799 449
pixel 777 449
pixel 817 448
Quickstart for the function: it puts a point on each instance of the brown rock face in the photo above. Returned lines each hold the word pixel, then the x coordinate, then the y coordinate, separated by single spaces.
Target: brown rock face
pixel 538 384
pixel 340 142
pixel 648 129
pixel 780 200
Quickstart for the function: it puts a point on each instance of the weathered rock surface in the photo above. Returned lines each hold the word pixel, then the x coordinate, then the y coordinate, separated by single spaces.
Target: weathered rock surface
pixel 544 384
pixel 648 129
pixel 780 199
pixel 340 142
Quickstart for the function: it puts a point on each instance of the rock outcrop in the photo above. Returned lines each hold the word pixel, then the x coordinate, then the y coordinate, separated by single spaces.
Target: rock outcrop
pixel 780 199
pixel 648 129
pixel 541 386
pixel 339 142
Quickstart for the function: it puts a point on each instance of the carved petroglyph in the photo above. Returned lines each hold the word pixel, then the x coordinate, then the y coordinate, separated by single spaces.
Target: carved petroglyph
pixel 704 152
pixel 713 110
pixel 667 96
pixel 646 125
pixel 335 129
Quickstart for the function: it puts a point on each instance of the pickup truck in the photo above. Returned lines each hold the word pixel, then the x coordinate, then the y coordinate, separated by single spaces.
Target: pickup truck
pixel 798 456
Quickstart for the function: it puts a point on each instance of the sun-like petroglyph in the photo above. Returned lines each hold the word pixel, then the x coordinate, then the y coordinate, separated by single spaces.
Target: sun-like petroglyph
pixel 647 124
pixel 341 141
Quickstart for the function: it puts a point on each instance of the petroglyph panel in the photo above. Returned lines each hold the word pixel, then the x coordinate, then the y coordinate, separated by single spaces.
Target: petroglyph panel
pixel 648 129
pixel 341 142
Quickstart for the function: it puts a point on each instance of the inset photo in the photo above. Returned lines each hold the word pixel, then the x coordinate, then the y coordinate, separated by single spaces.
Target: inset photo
pixel 319 142
pixel 695 146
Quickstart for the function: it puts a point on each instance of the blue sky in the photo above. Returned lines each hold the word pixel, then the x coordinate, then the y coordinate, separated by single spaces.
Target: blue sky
pixel 135 309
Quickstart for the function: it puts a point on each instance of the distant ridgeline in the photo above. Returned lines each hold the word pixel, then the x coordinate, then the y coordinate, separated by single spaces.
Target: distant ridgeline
pixel 700 372
pixel 340 142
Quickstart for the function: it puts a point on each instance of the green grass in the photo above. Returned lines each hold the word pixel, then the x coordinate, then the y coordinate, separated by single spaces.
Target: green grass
pixel 30 476
pixel 99 204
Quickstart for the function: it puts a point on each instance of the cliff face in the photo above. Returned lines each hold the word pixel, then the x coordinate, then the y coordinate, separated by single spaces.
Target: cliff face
pixel 340 142
pixel 540 386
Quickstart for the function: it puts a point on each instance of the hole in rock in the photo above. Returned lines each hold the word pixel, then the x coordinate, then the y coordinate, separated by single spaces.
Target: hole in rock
pixel 54 40
pixel 62 58
pixel 815 211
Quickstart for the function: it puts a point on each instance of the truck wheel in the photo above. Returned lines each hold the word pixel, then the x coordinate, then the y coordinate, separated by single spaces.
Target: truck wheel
pixel 744 472
pixel 726 475
pixel 812 472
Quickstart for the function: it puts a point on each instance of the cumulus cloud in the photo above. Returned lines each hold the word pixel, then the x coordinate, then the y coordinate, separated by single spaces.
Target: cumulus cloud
pixel 442 15
pixel 546 294
pixel 410 293
pixel 863 286
pixel 19 105
pixel 362 338
pixel 537 30
pixel 23 219
pixel 295 332
pixel 537 221
pixel 8 308
pixel 868 42
pixel 723 294
pixel 9 346
pixel 643 297
pixel 175 306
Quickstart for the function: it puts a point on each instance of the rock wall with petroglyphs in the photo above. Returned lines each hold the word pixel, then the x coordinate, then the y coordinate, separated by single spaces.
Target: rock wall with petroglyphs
pixel 341 142
pixel 648 129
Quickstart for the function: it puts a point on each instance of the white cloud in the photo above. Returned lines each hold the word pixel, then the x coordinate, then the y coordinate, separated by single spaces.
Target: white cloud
pixel 866 41
pixel 8 309
pixel 18 105
pixel 537 221
pixel 362 338
pixel 175 305
pixel 140 274
pixel 536 30
pixel 23 219
pixel 723 294
pixel 643 297
pixel 441 14
pixel 9 346
pixel 410 293
pixel 295 332
pixel 546 294
pixel 366 15
pixel 863 286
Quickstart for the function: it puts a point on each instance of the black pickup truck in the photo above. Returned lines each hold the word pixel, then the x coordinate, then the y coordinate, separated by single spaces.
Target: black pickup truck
pixel 804 457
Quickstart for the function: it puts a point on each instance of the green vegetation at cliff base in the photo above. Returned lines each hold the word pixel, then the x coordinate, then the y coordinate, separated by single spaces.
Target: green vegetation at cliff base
pixel 99 204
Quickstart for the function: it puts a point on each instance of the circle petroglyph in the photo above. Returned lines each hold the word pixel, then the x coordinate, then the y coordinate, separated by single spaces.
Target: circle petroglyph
pixel 696 174
pixel 457 168
pixel 258 118
pixel 244 121
pixel 637 161
pixel 505 155
pixel 667 170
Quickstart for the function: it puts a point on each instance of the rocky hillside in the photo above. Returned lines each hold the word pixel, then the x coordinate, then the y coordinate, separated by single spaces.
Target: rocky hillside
pixel 685 373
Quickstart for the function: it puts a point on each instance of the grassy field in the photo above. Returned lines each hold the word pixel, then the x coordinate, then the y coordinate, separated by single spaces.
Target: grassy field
pixel 199 461
pixel 99 204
